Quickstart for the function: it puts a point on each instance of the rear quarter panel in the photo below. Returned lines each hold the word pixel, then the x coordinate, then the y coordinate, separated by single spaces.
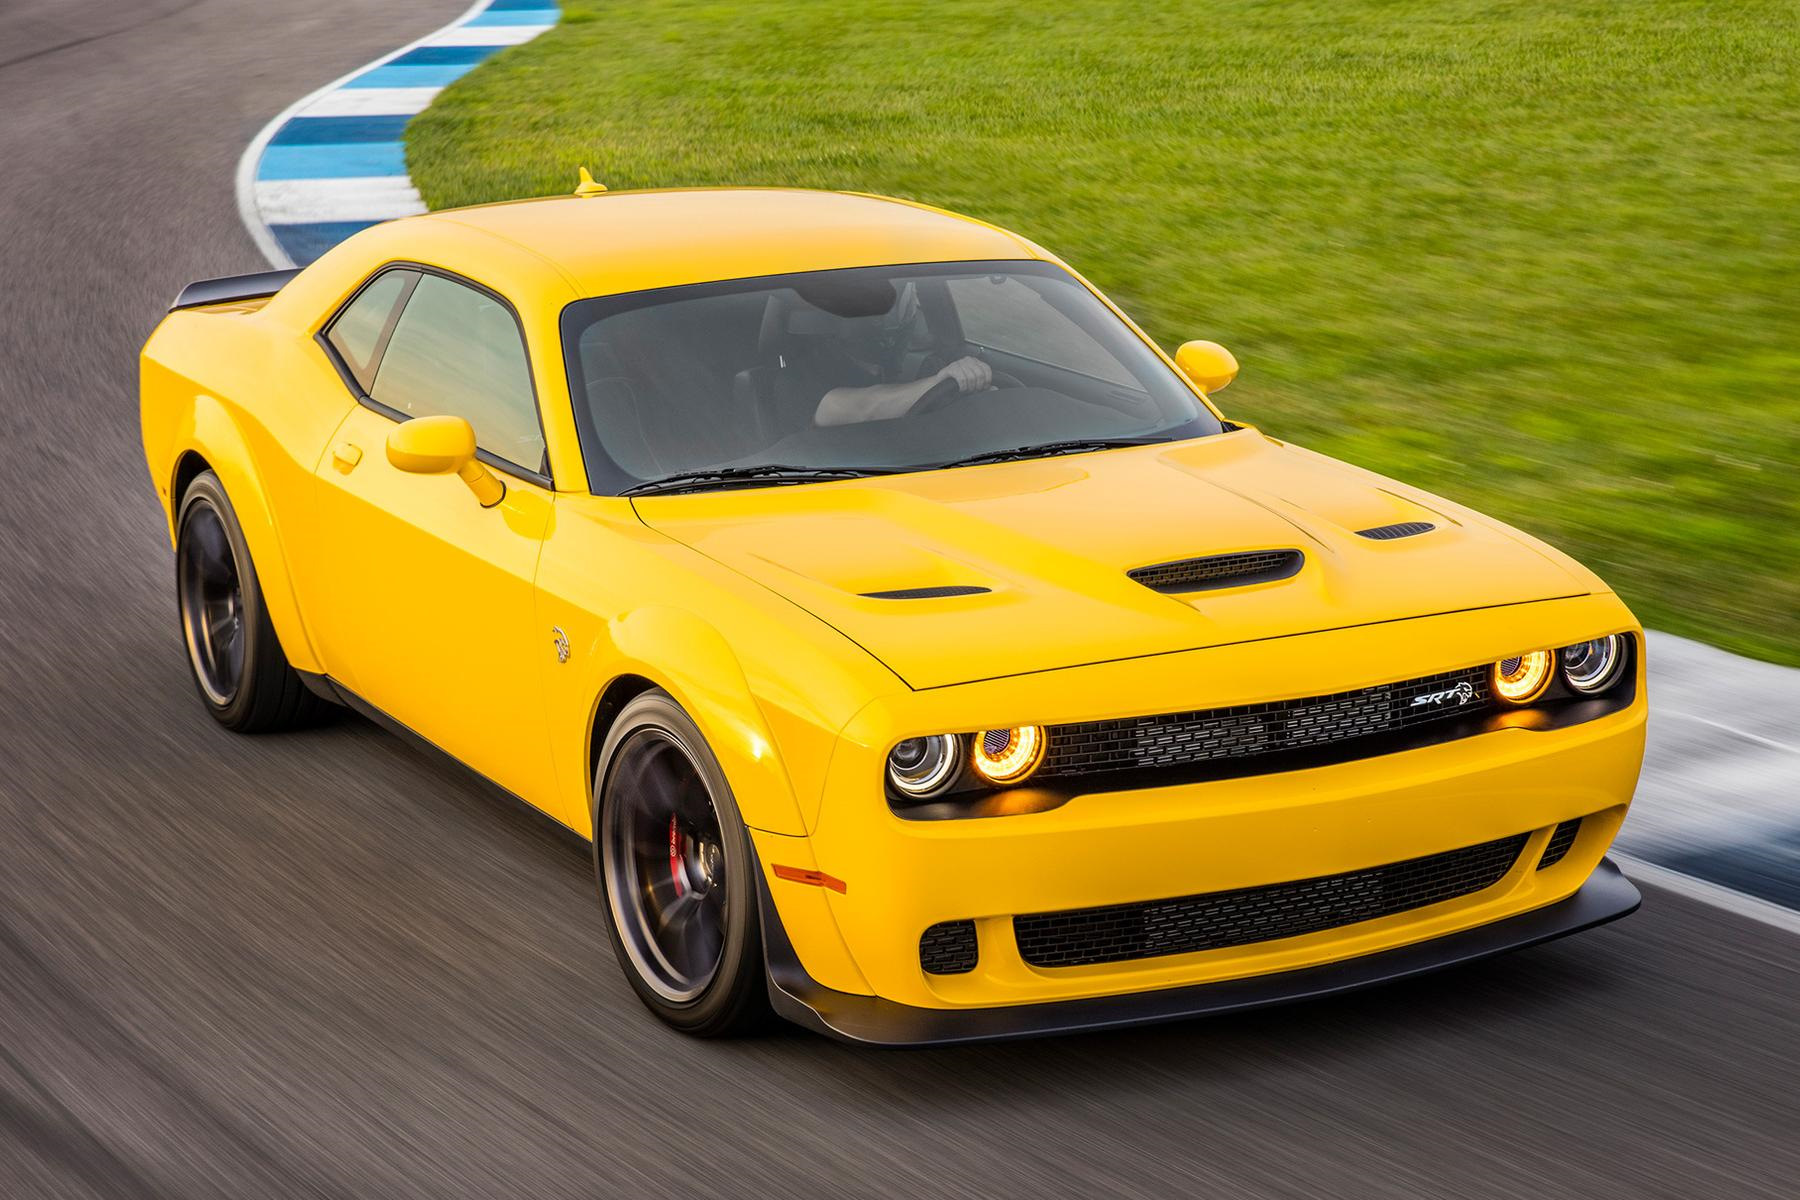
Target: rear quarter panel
pixel 237 388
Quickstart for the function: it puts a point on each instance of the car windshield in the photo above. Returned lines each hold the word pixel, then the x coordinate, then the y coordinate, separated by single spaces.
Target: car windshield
pixel 877 369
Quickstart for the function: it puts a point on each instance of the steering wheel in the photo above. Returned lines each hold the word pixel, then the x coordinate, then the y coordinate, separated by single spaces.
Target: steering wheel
pixel 937 396
pixel 944 391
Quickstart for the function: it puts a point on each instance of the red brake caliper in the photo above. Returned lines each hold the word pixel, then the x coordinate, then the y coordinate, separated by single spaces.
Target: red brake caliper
pixel 675 857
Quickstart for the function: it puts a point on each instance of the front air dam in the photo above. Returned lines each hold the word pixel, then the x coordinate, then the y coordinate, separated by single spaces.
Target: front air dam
pixel 872 1021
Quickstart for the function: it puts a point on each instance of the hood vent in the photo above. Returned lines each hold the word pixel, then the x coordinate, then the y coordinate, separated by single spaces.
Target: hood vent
pixel 1219 571
pixel 926 593
pixel 1392 533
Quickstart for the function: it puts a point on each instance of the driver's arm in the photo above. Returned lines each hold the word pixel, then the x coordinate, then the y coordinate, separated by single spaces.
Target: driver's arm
pixel 884 401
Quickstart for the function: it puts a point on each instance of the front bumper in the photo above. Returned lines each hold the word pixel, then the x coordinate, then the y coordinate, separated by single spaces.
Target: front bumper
pixel 896 878
pixel 872 1021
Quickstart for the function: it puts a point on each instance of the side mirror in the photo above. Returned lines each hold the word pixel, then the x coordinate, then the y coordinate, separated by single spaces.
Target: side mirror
pixel 441 446
pixel 1208 364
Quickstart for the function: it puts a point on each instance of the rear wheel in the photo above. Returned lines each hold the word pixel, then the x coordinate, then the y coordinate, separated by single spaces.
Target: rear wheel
pixel 238 666
pixel 676 873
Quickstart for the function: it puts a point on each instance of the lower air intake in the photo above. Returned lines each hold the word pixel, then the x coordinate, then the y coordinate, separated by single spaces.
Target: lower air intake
pixel 1217 920
pixel 1560 841
pixel 948 948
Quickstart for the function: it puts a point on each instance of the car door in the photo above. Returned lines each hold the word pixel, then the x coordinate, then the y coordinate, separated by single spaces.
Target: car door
pixel 426 607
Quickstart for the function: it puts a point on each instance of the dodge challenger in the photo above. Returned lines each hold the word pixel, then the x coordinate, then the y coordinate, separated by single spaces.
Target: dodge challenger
pixel 926 654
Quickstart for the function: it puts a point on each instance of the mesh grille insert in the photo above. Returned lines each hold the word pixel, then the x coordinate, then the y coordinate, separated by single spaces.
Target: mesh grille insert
pixel 948 948
pixel 1560 841
pixel 1390 533
pixel 1180 739
pixel 1219 570
pixel 1215 920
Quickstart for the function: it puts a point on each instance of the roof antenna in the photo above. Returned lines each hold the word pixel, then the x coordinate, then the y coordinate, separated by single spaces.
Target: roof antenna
pixel 587 186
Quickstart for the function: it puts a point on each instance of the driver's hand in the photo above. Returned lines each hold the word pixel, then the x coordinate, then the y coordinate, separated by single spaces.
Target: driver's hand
pixel 971 374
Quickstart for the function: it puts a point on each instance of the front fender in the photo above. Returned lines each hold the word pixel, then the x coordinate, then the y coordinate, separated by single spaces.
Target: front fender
pixel 691 661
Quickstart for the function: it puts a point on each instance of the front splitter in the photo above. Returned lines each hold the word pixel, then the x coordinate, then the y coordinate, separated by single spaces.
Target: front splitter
pixel 872 1021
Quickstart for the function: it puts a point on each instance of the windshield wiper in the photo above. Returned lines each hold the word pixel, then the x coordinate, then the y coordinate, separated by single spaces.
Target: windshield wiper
pixel 766 473
pixel 1048 449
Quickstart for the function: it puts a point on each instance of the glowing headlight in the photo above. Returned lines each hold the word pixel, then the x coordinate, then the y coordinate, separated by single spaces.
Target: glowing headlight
pixel 924 766
pixel 1593 666
pixel 1519 679
pixel 1003 756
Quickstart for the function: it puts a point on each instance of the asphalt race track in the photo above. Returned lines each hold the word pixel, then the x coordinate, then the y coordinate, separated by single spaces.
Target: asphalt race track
pixel 330 965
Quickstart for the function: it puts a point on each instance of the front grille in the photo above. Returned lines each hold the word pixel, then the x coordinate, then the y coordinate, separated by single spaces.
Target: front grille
pixel 1393 533
pixel 1179 739
pixel 1219 570
pixel 948 948
pixel 1216 920
pixel 1560 841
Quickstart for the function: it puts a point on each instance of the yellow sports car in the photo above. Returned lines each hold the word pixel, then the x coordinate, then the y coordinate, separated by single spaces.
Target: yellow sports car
pixel 926 655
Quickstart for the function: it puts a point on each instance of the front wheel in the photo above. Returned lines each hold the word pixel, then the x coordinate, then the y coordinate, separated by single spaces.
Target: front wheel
pixel 676 873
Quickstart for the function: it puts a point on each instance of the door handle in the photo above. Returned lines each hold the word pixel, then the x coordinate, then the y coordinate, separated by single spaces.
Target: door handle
pixel 345 456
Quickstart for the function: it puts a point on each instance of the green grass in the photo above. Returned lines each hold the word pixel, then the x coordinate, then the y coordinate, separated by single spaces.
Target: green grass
pixel 1544 262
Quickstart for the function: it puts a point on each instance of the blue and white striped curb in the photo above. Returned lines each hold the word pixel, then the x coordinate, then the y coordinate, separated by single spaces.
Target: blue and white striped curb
pixel 333 163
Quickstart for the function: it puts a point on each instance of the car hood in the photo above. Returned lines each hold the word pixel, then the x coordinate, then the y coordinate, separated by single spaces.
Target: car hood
pixel 1051 542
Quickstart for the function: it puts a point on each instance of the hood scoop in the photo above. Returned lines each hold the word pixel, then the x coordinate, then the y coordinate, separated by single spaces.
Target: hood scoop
pixel 1391 533
pixel 926 593
pixel 1219 571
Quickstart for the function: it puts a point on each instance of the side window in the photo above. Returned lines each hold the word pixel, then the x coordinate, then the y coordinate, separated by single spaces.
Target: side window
pixel 458 351
pixel 359 330
pixel 1007 315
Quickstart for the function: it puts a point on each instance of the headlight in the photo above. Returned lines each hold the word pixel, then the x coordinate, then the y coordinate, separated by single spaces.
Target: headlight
pixel 1523 677
pixel 924 766
pixel 1591 667
pixel 1004 756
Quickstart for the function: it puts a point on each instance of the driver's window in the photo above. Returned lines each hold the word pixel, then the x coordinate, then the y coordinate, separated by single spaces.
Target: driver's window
pixel 457 350
pixel 1007 315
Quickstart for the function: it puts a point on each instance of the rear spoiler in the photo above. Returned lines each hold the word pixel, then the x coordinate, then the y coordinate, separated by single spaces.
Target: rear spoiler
pixel 232 287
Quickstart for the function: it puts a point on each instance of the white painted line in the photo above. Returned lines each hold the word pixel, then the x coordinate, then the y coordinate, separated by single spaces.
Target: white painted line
pixel 253 220
pixel 372 102
pixel 1753 907
pixel 486 35
pixel 297 201
pixel 1758 738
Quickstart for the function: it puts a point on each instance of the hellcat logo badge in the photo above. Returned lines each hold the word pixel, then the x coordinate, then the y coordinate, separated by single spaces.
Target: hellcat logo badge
pixel 561 641
pixel 1462 693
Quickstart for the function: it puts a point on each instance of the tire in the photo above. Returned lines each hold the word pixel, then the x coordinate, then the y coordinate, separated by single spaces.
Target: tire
pixel 669 843
pixel 236 661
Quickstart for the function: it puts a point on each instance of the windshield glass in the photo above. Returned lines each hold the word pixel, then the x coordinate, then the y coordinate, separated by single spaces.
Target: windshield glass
pixel 878 369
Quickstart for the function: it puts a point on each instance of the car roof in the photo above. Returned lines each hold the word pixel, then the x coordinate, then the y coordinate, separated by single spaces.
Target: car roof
pixel 631 240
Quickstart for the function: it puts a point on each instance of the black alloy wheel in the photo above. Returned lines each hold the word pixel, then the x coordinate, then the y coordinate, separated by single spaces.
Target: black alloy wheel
pixel 239 668
pixel 676 873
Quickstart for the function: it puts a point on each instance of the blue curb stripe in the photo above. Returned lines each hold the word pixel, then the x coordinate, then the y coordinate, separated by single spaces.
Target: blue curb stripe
pixel 400 77
pixel 1769 870
pixel 333 162
pixel 518 16
pixel 321 131
pixel 517 5
pixel 438 56
pixel 304 243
